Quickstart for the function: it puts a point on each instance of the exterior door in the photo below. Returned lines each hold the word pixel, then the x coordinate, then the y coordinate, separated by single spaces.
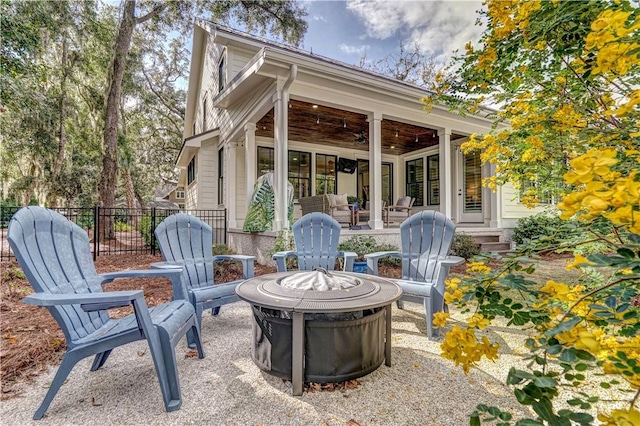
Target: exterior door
pixel 363 181
pixel 470 188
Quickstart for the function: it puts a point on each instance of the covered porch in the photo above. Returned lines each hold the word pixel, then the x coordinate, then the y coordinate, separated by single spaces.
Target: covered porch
pixel 327 127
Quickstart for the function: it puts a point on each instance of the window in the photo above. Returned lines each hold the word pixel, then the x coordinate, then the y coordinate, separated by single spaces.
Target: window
pixel 433 180
pixel 204 113
pixel 326 174
pixel 191 170
pixel 300 173
pixel 265 160
pixel 180 195
pixel 221 176
pixel 415 180
pixel 222 74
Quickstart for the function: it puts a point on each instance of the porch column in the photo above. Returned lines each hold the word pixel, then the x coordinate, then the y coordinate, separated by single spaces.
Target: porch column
pixel 280 159
pixel 281 147
pixel 446 173
pixel 375 170
pixel 232 193
pixel 250 159
pixel 495 221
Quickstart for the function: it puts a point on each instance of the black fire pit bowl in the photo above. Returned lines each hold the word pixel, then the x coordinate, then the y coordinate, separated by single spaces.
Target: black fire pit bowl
pixel 335 350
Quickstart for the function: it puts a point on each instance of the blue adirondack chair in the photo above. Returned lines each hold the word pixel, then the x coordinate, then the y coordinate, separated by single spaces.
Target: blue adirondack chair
pixel 316 237
pixel 186 242
pixel 55 255
pixel 426 240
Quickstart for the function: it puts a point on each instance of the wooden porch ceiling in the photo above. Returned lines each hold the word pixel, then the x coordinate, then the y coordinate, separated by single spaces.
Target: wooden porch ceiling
pixel 324 125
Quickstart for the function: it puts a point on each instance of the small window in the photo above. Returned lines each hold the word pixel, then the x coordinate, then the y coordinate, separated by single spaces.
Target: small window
pixel 221 176
pixel 222 74
pixel 415 180
pixel 433 180
pixel 300 173
pixel 191 170
pixel 266 162
pixel 180 195
pixel 326 174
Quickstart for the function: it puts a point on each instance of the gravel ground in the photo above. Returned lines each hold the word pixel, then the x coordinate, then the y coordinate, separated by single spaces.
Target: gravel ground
pixel 226 388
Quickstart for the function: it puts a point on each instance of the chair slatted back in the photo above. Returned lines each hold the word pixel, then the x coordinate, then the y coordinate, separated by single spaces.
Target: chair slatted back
pixel 186 240
pixel 316 236
pixel 55 255
pixel 424 237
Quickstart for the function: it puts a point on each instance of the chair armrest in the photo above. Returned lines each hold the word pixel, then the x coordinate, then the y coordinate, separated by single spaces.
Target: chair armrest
pixel 281 259
pixel 349 258
pixel 373 258
pixel 174 273
pixel 452 260
pixel 89 301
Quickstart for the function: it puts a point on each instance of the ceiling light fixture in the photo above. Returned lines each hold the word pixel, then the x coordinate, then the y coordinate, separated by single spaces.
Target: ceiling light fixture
pixel 396 133
pixel 344 123
pixel 314 106
pixel 318 120
pixel 416 138
pixel 392 146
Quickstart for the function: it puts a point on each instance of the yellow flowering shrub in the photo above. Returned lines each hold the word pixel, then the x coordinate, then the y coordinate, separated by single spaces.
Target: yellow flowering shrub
pixel 569 95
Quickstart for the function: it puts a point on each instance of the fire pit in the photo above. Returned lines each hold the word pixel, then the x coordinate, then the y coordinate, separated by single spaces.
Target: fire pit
pixel 320 326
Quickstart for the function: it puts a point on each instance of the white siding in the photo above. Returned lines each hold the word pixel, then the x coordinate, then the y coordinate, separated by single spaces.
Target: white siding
pixel 207 174
pixel 512 210
pixel 241 187
pixel 237 58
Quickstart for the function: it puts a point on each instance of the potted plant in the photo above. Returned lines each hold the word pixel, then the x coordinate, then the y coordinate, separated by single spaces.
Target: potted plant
pixel 361 244
pixel 355 201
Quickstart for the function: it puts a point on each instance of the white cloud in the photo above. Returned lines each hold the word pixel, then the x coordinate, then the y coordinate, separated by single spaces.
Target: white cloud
pixel 360 50
pixel 318 18
pixel 437 26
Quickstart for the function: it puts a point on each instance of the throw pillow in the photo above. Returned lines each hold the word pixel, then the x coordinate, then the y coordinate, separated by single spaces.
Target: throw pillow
pixel 342 202
pixel 404 201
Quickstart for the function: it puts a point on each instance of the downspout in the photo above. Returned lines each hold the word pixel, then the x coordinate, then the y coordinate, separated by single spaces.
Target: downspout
pixel 281 196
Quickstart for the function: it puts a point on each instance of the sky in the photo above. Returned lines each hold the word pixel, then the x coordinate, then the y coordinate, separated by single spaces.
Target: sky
pixel 347 30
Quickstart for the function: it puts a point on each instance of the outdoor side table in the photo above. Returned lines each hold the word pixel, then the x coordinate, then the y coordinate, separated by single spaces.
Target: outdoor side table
pixel 288 320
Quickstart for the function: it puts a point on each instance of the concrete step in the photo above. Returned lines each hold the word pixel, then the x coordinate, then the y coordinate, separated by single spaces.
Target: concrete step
pixel 495 247
pixel 486 238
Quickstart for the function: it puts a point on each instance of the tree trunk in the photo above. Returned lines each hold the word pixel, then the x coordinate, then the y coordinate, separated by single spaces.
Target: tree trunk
pixel 108 180
pixel 62 139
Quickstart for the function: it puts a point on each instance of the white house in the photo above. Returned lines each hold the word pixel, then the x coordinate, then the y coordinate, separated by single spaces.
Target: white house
pixel 255 106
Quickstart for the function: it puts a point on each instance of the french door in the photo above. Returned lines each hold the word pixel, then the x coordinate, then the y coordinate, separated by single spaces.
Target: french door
pixel 470 188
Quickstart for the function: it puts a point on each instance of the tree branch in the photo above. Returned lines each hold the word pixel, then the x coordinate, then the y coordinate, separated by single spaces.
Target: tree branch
pixel 153 13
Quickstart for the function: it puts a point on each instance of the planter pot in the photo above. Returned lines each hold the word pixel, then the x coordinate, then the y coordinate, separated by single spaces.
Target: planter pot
pixel 360 267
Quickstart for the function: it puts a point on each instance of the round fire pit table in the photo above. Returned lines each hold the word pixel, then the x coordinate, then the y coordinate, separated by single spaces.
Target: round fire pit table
pixel 320 326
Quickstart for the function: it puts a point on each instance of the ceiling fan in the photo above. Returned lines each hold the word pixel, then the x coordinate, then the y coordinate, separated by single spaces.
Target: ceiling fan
pixel 360 137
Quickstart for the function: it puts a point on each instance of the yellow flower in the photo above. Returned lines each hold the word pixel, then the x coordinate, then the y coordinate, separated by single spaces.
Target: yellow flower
pixel 587 341
pixel 478 321
pixel 478 267
pixel 621 417
pixel 578 261
pixel 440 319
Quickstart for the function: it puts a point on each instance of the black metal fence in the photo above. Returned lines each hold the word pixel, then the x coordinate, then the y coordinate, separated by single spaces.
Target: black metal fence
pixel 119 230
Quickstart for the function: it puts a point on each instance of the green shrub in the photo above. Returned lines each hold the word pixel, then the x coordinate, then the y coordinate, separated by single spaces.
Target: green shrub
pixel 122 227
pixel 362 245
pixel 545 227
pixel 144 226
pixel 464 245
